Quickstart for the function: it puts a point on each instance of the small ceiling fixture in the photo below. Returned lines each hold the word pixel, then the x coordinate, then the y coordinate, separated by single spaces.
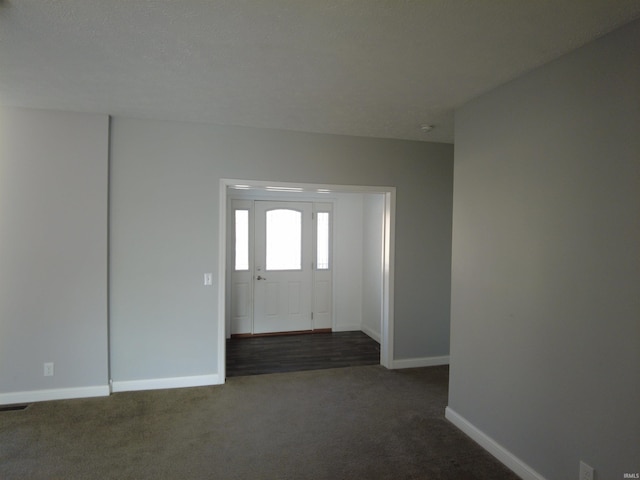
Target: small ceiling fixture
pixel 426 128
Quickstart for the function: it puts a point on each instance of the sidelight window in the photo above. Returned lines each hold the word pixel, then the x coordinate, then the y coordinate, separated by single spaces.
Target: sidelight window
pixel 322 241
pixel 242 240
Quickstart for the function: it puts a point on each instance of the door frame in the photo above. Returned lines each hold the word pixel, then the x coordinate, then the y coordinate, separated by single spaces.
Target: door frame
pixel 248 200
pixel 388 261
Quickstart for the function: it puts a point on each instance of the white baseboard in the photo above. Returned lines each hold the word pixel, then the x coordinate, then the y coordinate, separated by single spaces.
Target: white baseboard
pixel 162 383
pixel 507 458
pixel 346 328
pixel 53 394
pixel 420 362
pixel 371 333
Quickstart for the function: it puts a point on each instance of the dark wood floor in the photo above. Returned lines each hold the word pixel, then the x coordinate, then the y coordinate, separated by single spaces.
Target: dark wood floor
pixel 289 353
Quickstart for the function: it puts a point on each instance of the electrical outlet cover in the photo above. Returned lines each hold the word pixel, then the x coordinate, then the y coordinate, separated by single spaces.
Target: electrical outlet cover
pixel 586 472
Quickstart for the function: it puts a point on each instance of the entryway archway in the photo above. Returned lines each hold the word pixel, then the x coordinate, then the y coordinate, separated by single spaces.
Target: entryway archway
pixel 271 190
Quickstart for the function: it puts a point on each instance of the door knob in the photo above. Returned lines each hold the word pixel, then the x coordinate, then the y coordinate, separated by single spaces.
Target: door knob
pixel 260 278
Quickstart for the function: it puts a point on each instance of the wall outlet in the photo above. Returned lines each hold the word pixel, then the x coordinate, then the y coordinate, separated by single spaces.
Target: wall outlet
pixel 48 369
pixel 586 472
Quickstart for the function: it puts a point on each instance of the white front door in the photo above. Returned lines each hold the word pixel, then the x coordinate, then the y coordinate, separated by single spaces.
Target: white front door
pixel 282 280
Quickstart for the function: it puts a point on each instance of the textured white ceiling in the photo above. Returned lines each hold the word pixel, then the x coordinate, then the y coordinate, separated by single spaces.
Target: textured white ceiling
pixel 377 68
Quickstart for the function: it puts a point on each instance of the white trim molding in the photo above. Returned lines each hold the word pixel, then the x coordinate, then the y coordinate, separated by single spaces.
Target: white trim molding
pixel 346 328
pixel 420 362
pixel 53 394
pixel 368 331
pixel 507 458
pixel 162 383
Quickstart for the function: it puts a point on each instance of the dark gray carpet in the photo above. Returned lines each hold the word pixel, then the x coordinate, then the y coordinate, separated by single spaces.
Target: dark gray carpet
pixel 347 423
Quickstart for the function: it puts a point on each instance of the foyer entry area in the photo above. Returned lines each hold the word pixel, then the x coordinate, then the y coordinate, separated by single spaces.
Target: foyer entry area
pixel 352 238
pixel 290 353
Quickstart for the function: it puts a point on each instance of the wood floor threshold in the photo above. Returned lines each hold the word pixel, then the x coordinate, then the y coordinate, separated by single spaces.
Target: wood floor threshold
pixel 273 334
pixel 293 353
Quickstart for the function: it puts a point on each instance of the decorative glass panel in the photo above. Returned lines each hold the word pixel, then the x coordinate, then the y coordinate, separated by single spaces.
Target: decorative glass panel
pixel 242 240
pixel 322 242
pixel 284 240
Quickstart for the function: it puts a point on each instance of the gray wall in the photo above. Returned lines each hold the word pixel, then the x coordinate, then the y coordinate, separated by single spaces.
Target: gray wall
pixel 53 250
pixel 372 245
pixel 164 232
pixel 347 262
pixel 545 327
